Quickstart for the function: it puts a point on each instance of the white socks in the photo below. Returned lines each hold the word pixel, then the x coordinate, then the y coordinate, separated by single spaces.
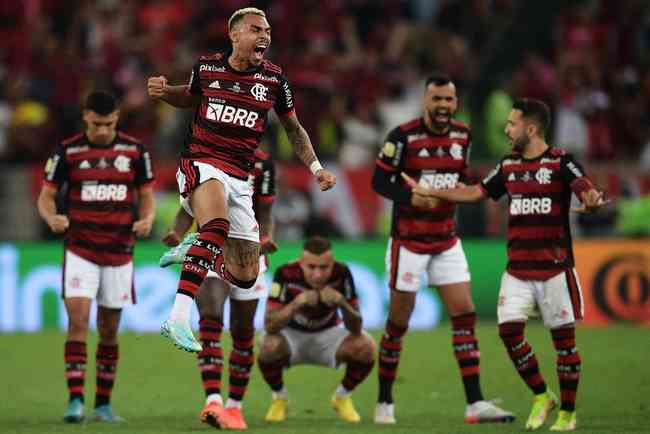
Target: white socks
pixel 214 397
pixel 181 309
pixel 233 403
pixel 282 394
pixel 342 392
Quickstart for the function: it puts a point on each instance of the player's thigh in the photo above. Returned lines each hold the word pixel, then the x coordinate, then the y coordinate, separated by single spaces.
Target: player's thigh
pixel 212 296
pixel 259 290
pixel 243 224
pixel 404 268
pixel 560 300
pixel 116 289
pixel 516 299
pixel 204 190
pixel 242 258
pixel 274 347
pixel 208 202
pixel 359 348
pixel 81 277
pixel 78 309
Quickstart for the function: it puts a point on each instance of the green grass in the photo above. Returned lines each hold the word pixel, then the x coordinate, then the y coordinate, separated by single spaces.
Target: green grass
pixel 158 388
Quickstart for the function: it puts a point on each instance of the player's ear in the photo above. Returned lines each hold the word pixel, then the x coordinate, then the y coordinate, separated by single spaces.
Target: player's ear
pixel 234 34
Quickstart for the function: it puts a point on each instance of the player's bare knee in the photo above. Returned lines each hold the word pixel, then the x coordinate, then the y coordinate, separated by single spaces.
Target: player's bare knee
pixel 273 348
pixel 361 349
pixel 78 325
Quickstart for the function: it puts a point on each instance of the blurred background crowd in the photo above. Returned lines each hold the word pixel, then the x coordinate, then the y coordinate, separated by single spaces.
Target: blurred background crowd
pixel 357 68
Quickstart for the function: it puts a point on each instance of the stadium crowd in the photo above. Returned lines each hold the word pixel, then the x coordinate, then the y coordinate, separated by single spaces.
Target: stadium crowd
pixel 359 62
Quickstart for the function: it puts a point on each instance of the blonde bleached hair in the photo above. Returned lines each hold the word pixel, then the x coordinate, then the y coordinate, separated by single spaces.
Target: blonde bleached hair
pixel 239 14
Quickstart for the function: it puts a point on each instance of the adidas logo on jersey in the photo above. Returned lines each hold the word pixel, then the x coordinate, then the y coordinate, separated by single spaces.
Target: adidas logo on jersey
pixel 512 177
pixel 215 85
pixel 424 153
pixel 84 164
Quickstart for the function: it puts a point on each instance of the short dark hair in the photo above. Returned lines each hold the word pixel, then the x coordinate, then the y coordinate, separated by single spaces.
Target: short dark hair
pixel 317 245
pixel 101 102
pixel 536 111
pixel 438 78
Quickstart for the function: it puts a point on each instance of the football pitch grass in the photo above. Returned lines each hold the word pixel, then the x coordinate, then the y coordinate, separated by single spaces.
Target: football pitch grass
pixel 158 388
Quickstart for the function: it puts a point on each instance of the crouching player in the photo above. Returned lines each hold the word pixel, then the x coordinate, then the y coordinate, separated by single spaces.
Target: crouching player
pixel 302 326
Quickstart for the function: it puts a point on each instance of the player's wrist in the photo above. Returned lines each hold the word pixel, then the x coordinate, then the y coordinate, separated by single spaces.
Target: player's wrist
pixel 315 167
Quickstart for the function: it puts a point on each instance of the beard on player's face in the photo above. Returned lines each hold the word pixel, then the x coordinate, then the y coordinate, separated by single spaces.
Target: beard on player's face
pixel 441 117
pixel 520 142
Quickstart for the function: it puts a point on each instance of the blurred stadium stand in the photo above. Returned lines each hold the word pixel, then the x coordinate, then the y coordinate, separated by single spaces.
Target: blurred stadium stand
pixel 357 67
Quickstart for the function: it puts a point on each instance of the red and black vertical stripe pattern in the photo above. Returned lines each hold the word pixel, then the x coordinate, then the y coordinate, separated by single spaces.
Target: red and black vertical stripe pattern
pixel 522 355
pixel 106 364
pixel 211 356
pixel 568 365
pixel 574 292
pixel 467 354
pixel 240 362
pixel 202 256
pixel 75 368
pixel 389 354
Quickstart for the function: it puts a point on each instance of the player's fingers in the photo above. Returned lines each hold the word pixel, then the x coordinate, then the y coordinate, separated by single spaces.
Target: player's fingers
pixel 409 181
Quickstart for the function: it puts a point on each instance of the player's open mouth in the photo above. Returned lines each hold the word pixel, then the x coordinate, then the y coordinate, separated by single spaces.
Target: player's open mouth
pixel 260 48
pixel 442 116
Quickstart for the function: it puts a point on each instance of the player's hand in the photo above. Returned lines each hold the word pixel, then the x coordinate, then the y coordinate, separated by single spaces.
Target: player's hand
pixel 268 245
pixel 58 223
pixel 426 202
pixel 307 298
pixel 157 87
pixel 330 297
pixel 591 201
pixel 326 179
pixel 171 239
pixel 142 227
pixel 417 188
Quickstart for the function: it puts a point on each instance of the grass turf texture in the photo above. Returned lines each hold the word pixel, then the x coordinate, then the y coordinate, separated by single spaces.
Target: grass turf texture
pixel 158 388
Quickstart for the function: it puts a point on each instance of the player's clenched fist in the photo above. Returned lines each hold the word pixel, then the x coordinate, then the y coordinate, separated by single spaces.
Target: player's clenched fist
pixel 326 179
pixel 157 86
pixel 58 223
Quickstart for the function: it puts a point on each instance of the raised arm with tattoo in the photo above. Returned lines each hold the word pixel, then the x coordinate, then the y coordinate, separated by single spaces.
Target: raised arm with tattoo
pixel 305 151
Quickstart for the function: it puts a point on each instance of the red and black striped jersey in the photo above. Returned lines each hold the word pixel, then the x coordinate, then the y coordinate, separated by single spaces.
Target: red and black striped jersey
pixel 435 160
pixel 539 194
pixel 289 282
pixel 102 183
pixel 262 178
pixel 231 117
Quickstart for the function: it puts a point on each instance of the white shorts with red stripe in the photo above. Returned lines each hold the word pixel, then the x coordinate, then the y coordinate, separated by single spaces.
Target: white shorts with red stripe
pixel 558 300
pixel 239 197
pixel 112 286
pixel 406 268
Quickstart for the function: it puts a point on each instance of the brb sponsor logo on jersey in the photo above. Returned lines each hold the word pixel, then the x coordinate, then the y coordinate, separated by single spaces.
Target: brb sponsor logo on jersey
pixel 439 181
pixel 103 192
pixel 530 205
pixel 231 115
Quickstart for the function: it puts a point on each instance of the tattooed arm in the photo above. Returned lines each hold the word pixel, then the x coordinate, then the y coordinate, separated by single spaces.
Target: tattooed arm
pixel 305 151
